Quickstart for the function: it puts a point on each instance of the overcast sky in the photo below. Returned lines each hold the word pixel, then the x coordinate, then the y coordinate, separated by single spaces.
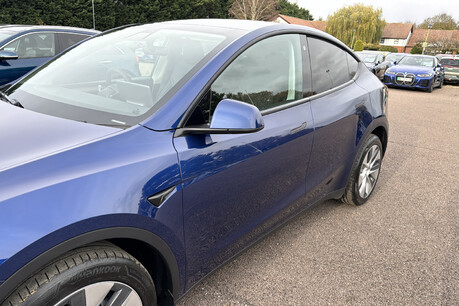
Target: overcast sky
pixel 393 10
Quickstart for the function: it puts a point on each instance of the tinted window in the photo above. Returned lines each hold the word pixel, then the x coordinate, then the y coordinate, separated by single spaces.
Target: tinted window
pixel 329 65
pixel 450 62
pixel 67 39
pixel 268 74
pixel 33 45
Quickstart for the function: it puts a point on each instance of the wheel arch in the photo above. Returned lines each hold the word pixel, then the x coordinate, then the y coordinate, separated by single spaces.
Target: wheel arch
pixel 140 243
pixel 381 132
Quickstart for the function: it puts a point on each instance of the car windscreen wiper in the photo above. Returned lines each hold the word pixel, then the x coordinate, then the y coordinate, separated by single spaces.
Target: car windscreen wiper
pixel 11 101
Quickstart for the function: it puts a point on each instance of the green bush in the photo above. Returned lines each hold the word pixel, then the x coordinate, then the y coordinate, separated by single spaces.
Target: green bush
pixel 389 49
pixel 373 47
pixel 417 49
pixel 358 46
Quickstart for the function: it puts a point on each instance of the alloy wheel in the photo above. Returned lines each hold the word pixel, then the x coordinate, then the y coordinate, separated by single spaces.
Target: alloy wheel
pixel 369 171
pixel 108 293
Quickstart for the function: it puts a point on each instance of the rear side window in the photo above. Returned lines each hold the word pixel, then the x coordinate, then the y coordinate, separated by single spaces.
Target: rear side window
pixel 329 65
pixel 67 39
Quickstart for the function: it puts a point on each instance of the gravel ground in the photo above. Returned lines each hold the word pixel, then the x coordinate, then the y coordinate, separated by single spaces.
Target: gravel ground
pixel 401 248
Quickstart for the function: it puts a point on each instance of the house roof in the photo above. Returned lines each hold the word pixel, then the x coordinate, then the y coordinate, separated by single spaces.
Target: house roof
pixel 419 35
pixel 319 25
pixel 397 30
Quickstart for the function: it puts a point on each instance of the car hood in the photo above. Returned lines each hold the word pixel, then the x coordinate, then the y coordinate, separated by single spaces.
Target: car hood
pixel 411 69
pixel 26 135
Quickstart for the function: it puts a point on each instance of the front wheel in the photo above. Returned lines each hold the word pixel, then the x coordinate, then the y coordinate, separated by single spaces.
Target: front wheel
pixel 364 172
pixel 90 276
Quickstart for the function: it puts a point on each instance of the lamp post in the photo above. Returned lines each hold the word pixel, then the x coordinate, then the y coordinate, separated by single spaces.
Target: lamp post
pixel 424 45
pixel 93 16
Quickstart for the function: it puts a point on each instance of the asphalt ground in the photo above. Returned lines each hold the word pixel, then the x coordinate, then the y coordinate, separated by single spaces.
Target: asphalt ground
pixel 400 248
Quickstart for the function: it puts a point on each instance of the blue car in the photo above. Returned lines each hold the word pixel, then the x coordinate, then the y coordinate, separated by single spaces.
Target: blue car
pixel 122 189
pixel 23 48
pixel 416 71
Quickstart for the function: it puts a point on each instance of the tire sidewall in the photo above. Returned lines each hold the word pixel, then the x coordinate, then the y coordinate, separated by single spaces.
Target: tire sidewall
pixel 108 269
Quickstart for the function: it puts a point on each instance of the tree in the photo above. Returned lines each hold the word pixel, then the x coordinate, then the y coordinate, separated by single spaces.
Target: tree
pixel 254 9
pixel 440 22
pixel 356 22
pixel 292 9
pixel 417 49
pixel 358 45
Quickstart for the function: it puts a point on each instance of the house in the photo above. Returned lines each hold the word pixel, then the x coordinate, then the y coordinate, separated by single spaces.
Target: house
pixel 438 41
pixel 319 25
pixel 397 35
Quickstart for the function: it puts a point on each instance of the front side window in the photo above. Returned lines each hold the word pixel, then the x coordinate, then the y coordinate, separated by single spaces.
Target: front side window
pixel 329 65
pixel 268 74
pixel 33 45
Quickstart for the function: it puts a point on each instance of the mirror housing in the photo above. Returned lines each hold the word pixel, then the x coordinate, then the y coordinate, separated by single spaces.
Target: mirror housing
pixel 8 55
pixel 230 117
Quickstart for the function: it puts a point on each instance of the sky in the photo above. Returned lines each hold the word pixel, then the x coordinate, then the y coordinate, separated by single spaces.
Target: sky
pixel 393 10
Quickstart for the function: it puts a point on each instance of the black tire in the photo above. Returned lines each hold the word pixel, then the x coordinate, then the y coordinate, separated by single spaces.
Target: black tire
pixel 351 194
pixel 431 87
pixel 93 264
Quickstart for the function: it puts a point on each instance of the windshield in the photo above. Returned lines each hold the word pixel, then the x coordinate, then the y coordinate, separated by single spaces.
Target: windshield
pixel 368 57
pixel 417 61
pixel 394 57
pixel 450 62
pixel 118 78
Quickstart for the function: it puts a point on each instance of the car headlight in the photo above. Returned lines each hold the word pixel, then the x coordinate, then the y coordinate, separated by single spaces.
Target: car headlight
pixel 390 72
pixel 425 75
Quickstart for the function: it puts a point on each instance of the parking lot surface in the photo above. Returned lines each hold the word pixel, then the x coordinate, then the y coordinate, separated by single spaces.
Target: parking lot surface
pixel 400 248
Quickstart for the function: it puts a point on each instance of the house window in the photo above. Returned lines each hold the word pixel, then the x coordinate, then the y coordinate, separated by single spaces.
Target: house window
pixel 381 41
pixel 395 41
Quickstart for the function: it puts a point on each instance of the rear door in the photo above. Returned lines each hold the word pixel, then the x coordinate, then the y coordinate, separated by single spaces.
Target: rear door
pixel 234 184
pixel 340 110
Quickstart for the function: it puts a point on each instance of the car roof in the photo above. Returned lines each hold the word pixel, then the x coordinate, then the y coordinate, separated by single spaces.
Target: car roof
pixel 25 28
pixel 245 25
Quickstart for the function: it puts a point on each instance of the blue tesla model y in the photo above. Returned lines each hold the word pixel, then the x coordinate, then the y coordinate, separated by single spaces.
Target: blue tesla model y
pixel 126 181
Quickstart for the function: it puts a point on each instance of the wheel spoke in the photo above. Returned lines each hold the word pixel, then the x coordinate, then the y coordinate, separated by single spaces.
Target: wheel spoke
pixel 369 171
pixel 106 293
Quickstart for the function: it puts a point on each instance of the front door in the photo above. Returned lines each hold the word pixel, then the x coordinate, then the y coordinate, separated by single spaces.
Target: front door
pixel 234 184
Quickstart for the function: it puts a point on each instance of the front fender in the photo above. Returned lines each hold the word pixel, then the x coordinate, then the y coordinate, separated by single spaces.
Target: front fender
pixel 26 262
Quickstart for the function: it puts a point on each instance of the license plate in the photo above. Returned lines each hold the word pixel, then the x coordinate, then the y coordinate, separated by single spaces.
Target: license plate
pixel 404 79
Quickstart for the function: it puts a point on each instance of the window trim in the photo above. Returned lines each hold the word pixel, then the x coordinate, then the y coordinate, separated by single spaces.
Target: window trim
pixel 186 116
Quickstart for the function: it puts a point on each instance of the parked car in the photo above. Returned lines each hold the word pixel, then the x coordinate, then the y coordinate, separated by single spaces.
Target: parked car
pixel 23 48
pixel 451 66
pixel 374 61
pixel 130 189
pixel 416 71
pixel 392 59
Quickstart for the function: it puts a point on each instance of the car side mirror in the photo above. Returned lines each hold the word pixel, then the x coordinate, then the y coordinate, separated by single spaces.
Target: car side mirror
pixel 395 63
pixel 8 55
pixel 230 117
